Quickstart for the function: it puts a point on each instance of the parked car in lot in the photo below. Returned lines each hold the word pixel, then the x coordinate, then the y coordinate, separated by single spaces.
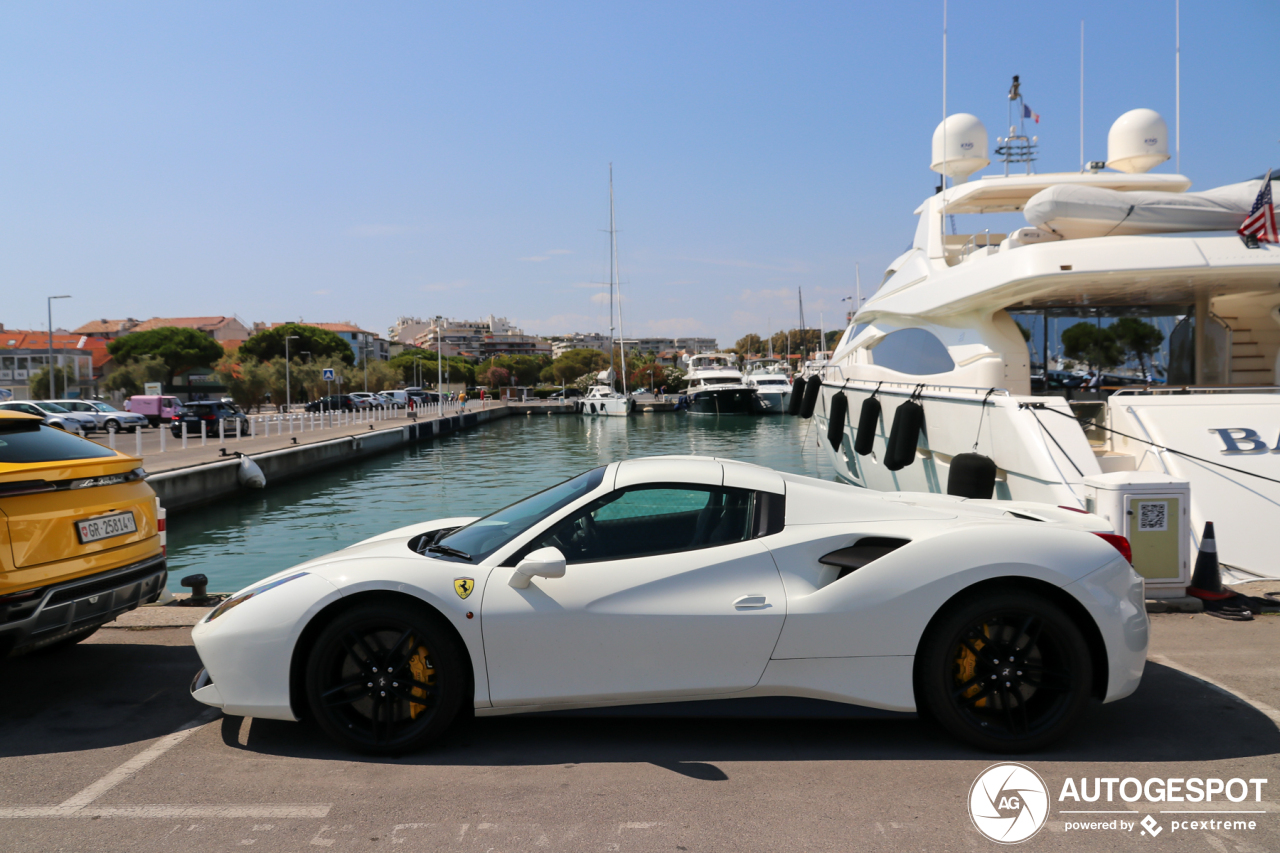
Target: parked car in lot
pixel 53 415
pixel 367 399
pixel 332 403
pixel 85 542
pixel 210 413
pixel 107 416
pixel 688 578
pixel 395 399
pixel 158 409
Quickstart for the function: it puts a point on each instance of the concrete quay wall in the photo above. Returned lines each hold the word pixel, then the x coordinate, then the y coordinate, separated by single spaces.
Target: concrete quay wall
pixel 184 488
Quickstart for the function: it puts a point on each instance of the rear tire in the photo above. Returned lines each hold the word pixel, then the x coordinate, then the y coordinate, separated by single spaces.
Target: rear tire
pixel 1005 671
pixel 368 665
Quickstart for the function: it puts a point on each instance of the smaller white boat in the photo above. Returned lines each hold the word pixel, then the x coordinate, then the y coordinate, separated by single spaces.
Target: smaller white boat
pixel 601 399
pixel 773 387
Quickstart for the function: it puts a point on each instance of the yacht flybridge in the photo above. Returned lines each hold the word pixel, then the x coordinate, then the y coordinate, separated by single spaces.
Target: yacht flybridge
pixel 939 355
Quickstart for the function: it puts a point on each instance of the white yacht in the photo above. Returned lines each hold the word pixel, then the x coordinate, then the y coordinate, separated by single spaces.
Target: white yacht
pixel 716 387
pixel 768 377
pixel 1112 240
pixel 601 398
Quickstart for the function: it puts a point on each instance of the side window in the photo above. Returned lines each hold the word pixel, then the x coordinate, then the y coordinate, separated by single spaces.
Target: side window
pixel 652 520
pixel 912 351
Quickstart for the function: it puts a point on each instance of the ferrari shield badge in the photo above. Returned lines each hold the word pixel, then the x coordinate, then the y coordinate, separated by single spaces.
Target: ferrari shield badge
pixel 463 586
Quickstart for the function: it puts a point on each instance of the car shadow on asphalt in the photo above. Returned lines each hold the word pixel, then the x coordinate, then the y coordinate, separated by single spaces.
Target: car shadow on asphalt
pixel 94 695
pixel 1172 717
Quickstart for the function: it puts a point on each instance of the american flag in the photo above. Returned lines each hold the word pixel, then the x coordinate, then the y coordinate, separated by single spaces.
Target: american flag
pixel 1261 221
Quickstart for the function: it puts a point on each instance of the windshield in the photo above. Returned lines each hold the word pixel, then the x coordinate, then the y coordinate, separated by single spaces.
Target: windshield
pixel 104 407
pixel 29 441
pixel 53 408
pixel 481 538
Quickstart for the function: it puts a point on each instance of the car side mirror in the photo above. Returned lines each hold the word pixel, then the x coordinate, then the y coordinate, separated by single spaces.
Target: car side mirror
pixel 543 563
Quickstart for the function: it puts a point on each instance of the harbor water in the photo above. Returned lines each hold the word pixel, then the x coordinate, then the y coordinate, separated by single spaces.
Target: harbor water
pixel 239 540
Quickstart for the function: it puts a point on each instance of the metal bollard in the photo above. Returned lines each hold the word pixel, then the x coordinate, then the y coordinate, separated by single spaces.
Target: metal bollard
pixel 164 431
pixel 111 438
pixel 184 435
pixel 237 429
pixel 222 431
pixel 290 424
pixel 204 434
pixel 138 435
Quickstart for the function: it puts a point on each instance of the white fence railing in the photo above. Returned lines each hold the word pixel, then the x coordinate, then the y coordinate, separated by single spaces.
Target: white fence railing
pixel 295 423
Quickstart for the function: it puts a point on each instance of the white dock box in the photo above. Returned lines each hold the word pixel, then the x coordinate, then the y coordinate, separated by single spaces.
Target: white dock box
pixel 1151 511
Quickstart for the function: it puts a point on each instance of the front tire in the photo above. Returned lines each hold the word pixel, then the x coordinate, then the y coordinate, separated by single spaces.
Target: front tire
pixel 1005 671
pixel 385 678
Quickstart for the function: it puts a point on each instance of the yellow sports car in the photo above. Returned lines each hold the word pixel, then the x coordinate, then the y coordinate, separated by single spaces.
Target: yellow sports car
pixel 80 537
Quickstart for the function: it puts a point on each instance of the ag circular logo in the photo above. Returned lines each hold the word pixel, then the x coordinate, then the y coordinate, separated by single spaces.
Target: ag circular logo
pixel 1008 803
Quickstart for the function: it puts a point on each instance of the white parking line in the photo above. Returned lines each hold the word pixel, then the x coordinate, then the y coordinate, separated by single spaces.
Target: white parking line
pixel 301 810
pixel 1261 707
pixel 139 761
pixel 79 805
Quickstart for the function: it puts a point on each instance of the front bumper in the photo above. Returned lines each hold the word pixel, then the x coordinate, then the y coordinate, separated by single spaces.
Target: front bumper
pixel 84 603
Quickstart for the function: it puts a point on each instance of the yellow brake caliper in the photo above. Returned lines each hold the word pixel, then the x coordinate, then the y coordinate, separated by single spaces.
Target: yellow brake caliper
pixel 423 672
pixel 966 666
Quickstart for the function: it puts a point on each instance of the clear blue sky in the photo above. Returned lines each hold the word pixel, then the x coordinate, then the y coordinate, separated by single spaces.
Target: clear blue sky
pixel 342 161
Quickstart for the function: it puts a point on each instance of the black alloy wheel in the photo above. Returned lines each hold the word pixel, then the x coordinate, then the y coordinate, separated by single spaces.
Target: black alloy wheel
pixel 385 678
pixel 1005 671
pixel 113 426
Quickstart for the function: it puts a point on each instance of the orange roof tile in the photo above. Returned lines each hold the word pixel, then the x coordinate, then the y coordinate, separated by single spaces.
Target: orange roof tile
pixel 204 324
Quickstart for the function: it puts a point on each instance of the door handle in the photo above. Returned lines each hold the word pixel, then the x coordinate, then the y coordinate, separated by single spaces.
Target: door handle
pixel 753 600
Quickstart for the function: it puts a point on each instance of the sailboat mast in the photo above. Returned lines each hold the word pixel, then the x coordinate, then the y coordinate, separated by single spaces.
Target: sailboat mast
pixel 617 283
pixel 612 372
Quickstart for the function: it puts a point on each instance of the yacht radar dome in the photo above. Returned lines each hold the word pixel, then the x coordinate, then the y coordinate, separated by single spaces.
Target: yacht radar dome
pixel 1137 142
pixel 964 150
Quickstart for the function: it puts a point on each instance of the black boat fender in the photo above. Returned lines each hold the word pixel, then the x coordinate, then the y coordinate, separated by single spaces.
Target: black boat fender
pixel 908 421
pixel 812 388
pixel 797 396
pixel 868 420
pixel 835 422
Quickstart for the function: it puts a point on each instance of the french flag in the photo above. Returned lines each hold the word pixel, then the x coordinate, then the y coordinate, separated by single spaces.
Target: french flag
pixel 1026 113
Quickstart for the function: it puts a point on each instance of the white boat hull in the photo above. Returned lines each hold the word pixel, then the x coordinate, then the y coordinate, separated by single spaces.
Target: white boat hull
pixel 615 407
pixel 1027 446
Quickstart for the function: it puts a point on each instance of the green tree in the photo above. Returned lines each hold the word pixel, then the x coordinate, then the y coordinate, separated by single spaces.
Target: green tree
pixel 248 380
pixel 648 376
pixel 749 344
pixel 1093 345
pixel 576 363
pixel 494 377
pixel 1139 339
pixel 179 348
pixel 131 378
pixel 65 377
pixel 321 343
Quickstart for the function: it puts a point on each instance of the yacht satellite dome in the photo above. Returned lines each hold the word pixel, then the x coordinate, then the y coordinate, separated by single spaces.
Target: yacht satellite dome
pixel 1138 142
pixel 964 150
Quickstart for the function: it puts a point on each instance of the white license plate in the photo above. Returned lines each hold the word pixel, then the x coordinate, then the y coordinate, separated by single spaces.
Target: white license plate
pixel 105 527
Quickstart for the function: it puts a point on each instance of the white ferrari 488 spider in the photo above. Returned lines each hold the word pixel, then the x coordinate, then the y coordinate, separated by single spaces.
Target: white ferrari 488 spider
pixel 680 579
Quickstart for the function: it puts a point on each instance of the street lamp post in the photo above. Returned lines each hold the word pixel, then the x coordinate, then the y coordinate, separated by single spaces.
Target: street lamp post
pixel 365 350
pixel 288 391
pixel 439 364
pixel 53 379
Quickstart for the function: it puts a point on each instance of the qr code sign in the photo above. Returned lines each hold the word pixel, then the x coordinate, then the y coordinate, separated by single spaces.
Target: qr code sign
pixel 1153 516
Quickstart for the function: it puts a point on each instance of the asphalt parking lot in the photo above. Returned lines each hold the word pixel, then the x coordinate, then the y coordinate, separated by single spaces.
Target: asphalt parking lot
pixel 102 749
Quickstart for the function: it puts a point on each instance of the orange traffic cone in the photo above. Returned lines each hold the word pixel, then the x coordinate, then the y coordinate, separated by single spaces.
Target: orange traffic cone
pixel 1206 580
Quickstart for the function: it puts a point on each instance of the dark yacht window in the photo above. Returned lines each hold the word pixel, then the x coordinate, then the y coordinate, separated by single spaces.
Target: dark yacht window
pixel 912 351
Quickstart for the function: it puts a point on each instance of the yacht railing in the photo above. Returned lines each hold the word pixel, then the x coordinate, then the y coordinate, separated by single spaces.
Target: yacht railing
pixel 1200 389
pixel 917 388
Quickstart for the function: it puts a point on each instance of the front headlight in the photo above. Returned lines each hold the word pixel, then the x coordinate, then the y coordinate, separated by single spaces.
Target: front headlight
pixel 240 598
